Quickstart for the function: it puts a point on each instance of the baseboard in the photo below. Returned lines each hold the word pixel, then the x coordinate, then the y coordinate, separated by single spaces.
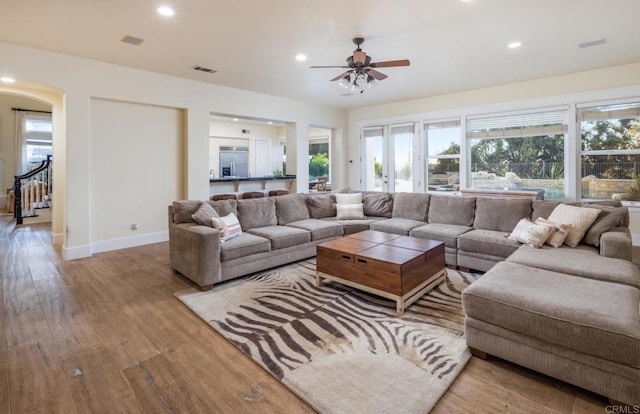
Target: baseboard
pixel 76 252
pixel 635 239
pixel 126 242
pixel 57 238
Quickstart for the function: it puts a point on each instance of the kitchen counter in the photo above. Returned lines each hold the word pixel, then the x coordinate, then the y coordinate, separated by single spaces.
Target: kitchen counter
pixel 242 184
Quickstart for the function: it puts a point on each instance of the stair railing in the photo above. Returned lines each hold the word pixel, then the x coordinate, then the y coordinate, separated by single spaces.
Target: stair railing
pixel 33 190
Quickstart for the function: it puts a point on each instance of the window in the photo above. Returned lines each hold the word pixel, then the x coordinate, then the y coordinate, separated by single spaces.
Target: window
pixel 401 143
pixel 39 130
pixel 373 159
pixel 519 152
pixel 319 158
pixel 610 155
pixel 443 155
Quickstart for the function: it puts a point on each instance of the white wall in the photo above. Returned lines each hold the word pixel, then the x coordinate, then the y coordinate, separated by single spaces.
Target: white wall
pixel 81 80
pixel 137 170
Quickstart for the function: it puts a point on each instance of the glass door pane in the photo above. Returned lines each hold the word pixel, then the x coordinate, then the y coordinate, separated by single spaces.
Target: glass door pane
pixel 374 163
pixel 402 162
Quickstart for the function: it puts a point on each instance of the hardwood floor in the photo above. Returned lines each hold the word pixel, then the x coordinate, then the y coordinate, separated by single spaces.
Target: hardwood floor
pixel 106 334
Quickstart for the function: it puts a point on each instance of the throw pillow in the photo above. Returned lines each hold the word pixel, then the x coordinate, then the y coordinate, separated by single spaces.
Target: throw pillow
pixel 609 218
pixel 378 205
pixel 321 206
pixel 350 211
pixel 560 232
pixel 350 198
pixel 204 214
pixel 229 227
pixel 531 233
pixel 580 219
pixel 183 209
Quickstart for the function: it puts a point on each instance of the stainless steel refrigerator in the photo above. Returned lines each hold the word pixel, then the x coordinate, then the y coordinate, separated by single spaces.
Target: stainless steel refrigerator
pixel 234 162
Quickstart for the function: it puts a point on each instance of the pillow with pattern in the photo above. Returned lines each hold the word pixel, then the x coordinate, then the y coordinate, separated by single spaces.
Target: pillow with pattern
pixel 229 227
pixel 531 233
pixel 560 231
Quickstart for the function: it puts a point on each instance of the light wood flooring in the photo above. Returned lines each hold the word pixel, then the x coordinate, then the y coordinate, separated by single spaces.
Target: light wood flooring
pixel 106 335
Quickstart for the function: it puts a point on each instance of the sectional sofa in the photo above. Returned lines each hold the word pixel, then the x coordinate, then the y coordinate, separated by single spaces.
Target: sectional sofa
pixel 569 312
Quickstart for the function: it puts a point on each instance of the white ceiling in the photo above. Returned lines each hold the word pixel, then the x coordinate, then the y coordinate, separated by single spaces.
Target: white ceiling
pixel 453 45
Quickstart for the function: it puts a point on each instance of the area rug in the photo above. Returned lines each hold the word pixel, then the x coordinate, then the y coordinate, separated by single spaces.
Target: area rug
pixel 339 349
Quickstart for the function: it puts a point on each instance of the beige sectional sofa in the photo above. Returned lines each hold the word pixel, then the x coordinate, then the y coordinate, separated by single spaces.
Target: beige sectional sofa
pixel 569 312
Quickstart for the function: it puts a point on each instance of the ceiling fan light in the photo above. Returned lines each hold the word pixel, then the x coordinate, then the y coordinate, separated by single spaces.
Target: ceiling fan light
pixel 345 82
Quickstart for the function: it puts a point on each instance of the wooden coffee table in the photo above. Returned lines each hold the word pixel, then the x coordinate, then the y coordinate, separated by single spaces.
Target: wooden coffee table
pixel 396 267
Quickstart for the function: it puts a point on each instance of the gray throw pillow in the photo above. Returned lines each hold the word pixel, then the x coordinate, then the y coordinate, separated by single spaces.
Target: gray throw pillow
pixel 204 214
pixel 225 207
pixel 321 206
pixel 290 208
pixel 378 205
pixel 608 218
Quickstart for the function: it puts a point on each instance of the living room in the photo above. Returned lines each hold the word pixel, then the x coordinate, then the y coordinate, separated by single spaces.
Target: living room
pixel 108 115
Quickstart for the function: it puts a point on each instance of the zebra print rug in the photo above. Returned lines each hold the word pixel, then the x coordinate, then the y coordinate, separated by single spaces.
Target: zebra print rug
pixel 339 349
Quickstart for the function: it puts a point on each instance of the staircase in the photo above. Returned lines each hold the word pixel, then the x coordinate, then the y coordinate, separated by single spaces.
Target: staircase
pixel 32 192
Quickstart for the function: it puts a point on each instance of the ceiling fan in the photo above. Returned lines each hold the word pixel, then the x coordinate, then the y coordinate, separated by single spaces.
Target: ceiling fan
pixel 361 73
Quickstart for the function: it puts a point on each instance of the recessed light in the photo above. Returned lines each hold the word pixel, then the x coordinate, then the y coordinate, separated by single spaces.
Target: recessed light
pixel 165 11
pixel 6 79
pixel 514 45
pixel 269 122
pixel 301 58
pixel 235 119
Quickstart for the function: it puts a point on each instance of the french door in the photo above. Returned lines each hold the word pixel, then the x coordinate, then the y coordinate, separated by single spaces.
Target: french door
pixel 387 159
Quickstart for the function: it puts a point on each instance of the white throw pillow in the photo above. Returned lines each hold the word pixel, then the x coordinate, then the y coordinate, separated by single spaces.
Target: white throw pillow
pixel 228 226
pixel 348 198
pixel 560 232
pixel 531 233
pixel 580 219
pixel 350 211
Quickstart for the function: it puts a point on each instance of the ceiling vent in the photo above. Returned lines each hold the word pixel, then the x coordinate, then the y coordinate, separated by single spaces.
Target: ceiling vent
pixel 347 94
pixel 132 40
pixel 592 43
pixel 203 69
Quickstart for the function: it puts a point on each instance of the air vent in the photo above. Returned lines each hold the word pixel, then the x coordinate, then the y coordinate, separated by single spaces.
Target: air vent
pixel 132 40
pixel 203 69
pixel 347 94
pixel 592 43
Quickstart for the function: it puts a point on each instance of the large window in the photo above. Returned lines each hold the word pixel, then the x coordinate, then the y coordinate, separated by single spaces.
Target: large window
pixel 39 131
pixel 519 152
pixel 610 148
pixel 443 155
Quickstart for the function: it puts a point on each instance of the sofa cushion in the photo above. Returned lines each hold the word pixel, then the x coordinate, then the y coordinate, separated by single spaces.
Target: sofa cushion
pixel 608 218
pixel 410 206
pixel 257 212
pixel 225 207
pixel 282 236
pixel 354 226
pixel 291 207
pixel 396 225
pixel 378 205
pixel 452 210
pixel 580 219
pixel 500 214
pixel 321 206
pixel 489 242
pixel 243 246
pixel 561 309
pixel 582 261
pixel 447 233
pixel 184 209
pixel 542 209
pixel 319 229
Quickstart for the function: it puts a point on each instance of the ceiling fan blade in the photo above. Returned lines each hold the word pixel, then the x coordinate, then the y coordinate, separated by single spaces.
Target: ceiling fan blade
pixel 376 75
pixel 340 76
pixel 390 63
pixel 316 67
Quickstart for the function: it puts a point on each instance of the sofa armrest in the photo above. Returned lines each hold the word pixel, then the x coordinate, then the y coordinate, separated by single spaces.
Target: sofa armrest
pixel 616 243
pixel 195 252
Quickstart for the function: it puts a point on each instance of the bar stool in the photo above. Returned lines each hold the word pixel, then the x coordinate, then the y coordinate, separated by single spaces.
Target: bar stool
pixel 219 197
pixel 253 194
pixel 276 193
